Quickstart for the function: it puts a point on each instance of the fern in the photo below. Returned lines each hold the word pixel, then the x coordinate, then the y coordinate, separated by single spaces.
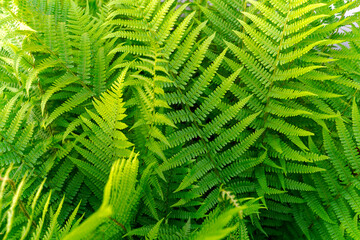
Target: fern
pixel 257 99
pixel 29 221
pixel 102 141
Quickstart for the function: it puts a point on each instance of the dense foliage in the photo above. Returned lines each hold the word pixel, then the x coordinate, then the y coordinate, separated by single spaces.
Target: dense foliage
pixel 149 119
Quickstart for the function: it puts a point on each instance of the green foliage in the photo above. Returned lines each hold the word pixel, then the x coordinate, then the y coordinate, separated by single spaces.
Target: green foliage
pixel 27 220
pixel 167 120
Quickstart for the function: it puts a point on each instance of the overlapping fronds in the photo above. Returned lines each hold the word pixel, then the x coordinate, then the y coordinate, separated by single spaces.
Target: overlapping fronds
pixel 285 49
pixel 34 217
pixel 102 141
pixel 152 37
pixel 257 98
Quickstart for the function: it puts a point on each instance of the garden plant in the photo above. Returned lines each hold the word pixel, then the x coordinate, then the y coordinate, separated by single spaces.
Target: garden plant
pixel 165 119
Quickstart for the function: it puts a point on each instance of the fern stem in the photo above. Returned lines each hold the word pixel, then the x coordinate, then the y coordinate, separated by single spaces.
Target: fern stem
pixel 203 141
pixel 21 204
pixel 119 224
pixel 266 114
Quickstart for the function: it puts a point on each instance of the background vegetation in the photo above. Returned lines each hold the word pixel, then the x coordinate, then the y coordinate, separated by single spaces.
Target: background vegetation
pixel 148 119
